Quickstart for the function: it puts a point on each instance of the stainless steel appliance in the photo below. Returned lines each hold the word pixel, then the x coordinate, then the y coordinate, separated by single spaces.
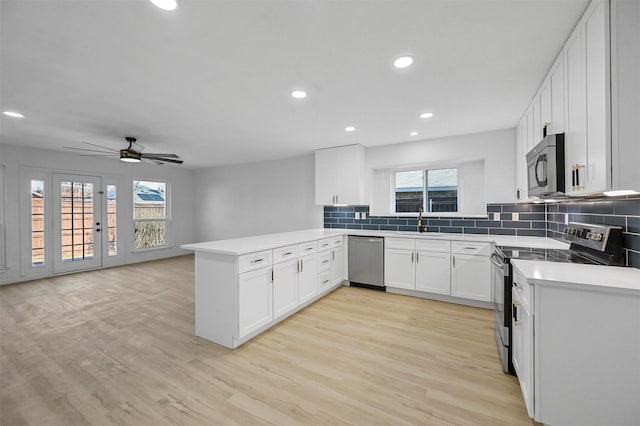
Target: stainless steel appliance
pixel 366 262
pixel 545 167
pixel 590 244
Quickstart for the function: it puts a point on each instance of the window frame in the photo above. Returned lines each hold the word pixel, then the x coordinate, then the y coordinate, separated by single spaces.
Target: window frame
pixel 425 168
pixel 167 216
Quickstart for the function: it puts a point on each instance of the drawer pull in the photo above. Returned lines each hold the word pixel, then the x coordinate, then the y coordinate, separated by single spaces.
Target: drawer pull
pixel 257 260
pixel 308 248
pixel 325 261
pixel 325 281
pixel 289 253
pixel 471 248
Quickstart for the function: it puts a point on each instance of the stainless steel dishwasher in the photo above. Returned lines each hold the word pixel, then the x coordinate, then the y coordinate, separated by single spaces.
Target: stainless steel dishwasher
pixel 366 262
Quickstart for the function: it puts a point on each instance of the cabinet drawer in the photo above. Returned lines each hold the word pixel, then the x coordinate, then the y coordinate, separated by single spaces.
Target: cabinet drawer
pixel 400 243
pixel 249 262
pixel 433 245
pixel 324 280
pixel 285 253
pixel 464 247
pixel 337 241
pixel 324 244
pixel 324 261
pixel 307 248
pixel 523 289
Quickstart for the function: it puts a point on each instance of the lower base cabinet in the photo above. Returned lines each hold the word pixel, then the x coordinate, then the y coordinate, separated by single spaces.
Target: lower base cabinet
pixel 308 278
pixel 285 287
pixel 255 290
pixel 433 273
pixel 470 277
pixel 399 268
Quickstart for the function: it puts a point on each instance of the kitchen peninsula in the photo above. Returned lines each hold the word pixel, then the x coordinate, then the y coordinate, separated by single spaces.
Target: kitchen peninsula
pixel 246 285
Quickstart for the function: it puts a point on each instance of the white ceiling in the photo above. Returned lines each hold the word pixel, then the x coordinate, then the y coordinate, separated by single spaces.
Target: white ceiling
pixel 211 81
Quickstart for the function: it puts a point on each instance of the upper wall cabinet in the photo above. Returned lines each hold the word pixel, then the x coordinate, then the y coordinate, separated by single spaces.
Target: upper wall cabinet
pixel 587 139
pixel 340 175
pixel 592 94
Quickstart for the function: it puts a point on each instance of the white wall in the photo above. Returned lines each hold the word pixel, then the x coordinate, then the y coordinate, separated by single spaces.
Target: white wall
pixel 24 161
pixel 496 148
pixel 252 199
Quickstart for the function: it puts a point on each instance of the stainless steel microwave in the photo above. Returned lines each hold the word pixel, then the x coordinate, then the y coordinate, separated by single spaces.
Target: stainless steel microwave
pixel 545 167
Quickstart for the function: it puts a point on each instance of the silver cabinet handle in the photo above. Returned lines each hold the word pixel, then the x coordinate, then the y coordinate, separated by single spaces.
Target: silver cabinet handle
pixel 308 248
pixel 257 260
pixel 272 275
pixel 333 255
pixel 417 257
pixel 287 253
pixel 301 265
pixel 325 261
pixel 412 254
pixel 453 259
pixel 325 281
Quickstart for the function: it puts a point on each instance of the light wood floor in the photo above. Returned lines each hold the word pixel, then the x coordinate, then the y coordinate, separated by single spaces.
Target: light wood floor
pixel 116 346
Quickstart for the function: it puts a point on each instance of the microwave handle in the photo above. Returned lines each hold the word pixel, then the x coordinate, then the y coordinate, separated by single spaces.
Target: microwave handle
pixel 541 159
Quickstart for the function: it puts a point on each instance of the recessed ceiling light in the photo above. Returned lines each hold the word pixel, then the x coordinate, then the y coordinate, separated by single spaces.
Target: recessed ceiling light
pixel 403 62
pixel 349 129
pixel 165 4
pixel 299 94
pixel 13 114
pixel 414 133
pixel 426 115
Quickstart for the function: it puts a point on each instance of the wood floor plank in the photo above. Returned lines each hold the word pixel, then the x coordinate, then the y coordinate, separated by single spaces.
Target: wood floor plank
pixel 117 347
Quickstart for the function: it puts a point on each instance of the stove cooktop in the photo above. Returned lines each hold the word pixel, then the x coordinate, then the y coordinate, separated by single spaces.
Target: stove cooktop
pixel 547 255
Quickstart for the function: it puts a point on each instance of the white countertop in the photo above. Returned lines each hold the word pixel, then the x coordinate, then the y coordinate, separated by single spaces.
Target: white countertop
pixel 596 277
pixel 239 246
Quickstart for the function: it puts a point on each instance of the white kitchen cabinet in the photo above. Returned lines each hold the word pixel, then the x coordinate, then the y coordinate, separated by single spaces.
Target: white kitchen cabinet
pixel 625 94
pixel 433 273
pixel 556 77
pixel 522 338
pixel 308 278
pixel 340 175
pixel 418 264
pixel 521 161
pixel 338 264
pixel 399 268
pixel 471 270
pixel 470 277
pixel 285 287
pixel 255 307
pixel 587 137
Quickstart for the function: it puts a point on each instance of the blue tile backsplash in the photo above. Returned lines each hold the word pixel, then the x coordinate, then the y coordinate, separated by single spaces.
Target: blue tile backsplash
pixel 538 220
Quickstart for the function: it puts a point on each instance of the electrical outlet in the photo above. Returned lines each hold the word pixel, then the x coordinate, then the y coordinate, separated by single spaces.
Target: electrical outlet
pixel 363 215
pixel 357 215
pixel 515 216
pixel 496 216
pixel 566 218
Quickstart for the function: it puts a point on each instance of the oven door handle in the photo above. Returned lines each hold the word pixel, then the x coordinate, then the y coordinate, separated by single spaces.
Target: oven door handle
pixel 495 261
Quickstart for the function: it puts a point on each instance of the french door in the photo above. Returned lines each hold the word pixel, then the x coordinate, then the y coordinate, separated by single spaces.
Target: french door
pixel 77 222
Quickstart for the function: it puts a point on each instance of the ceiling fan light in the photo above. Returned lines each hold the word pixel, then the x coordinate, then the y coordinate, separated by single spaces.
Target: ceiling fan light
pixel 130 159
pixel 165 4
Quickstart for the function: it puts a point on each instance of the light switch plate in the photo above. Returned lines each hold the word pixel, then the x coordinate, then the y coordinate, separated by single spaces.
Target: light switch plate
pixel 515 216
pixel 496 216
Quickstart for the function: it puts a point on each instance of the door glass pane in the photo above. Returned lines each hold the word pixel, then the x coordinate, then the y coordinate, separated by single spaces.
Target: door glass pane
pixel 37 222
pixel 111 221
pixel 76 220
pixel 442 190
pixel 409 191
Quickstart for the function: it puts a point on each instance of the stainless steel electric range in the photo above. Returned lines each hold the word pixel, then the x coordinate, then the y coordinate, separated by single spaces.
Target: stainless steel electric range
pixel 590 244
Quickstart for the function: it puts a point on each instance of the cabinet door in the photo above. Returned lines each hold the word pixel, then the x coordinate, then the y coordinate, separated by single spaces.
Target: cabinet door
pixel 307 278
pixel 337 266
pixel 597 88
pixel 340 175
pixel 526 383
pixel 517 339
pixel 575 126
pixel 399 269
pixel 433 273
pixel 285 287
pixel 537 125
pixel 519 155
pixel 471 277
pixel 255 304
pixel 557 97
pixel 545 106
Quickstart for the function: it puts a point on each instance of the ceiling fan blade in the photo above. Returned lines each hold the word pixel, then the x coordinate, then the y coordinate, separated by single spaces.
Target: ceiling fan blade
pixel 156 162
pixel 168 160
pixel 149 154
pixel 86 149
pixel 100 146
pixel 98 155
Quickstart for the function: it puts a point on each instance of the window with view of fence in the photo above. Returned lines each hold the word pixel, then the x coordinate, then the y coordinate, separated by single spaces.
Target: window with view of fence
pixel 149 214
